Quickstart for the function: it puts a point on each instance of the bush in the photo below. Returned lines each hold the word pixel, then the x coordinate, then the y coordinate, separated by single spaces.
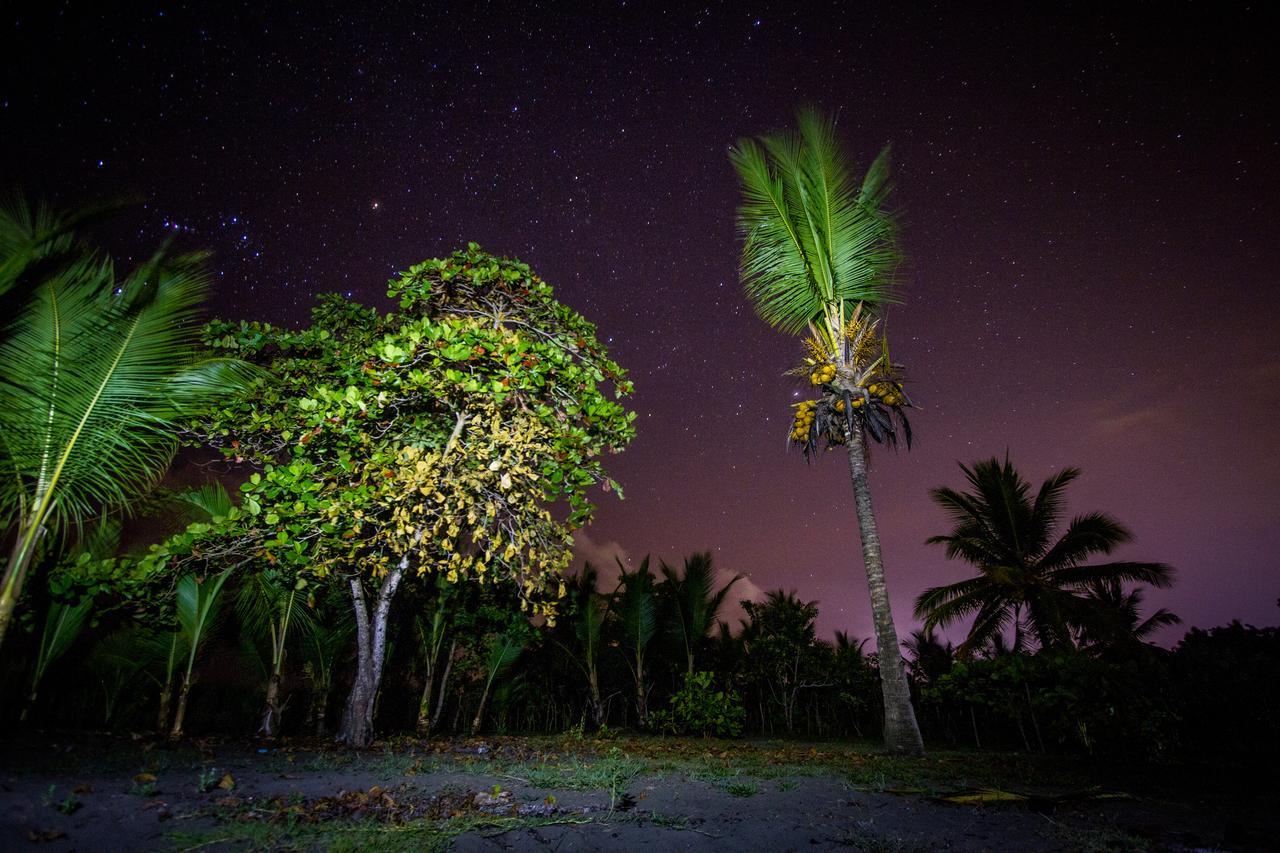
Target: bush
pixel 698 708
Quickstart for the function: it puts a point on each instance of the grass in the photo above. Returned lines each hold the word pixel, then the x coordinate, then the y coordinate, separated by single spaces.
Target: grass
pixel 339 837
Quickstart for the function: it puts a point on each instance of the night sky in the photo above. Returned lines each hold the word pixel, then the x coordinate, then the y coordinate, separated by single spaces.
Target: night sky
pixel 1089 208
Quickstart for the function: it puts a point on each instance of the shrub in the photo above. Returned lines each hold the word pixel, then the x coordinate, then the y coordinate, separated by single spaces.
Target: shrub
pixel 699 708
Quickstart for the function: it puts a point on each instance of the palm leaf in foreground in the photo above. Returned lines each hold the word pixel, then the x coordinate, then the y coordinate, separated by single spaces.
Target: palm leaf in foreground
pixel 94 372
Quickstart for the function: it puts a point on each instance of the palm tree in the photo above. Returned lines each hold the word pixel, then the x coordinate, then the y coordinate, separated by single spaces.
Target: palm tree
pixel 817 248
pixel 1113 621
pixel 502 651
pixel 272 608
pixel 693 602
pixel 431 636
pixel 325 640
pixel 94 372
pixel 196 607
pixel 590 609
pixel 931 657
pixel 634 605
pixel 1029 578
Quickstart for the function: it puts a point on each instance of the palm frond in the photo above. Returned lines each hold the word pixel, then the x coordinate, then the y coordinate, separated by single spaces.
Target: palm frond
pixel 811 240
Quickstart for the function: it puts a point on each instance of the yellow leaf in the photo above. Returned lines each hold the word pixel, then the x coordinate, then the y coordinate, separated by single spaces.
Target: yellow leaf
pixel 227 782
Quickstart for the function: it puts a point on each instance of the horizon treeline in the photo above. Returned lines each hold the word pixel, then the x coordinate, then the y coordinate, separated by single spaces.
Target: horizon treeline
pixel 631 657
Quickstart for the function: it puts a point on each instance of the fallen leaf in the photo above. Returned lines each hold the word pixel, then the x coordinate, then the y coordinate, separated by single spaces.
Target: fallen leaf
pixel 227 782
pixel 82 788
pixel 228 802
pixel 143 778
pixel 42 835
pixel 985 795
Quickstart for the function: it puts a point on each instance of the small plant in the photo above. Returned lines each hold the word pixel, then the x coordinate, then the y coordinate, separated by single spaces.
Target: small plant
pixel 741 789
pixel 207 781
pixel 69 804
pixel 144 785
pixel 786 785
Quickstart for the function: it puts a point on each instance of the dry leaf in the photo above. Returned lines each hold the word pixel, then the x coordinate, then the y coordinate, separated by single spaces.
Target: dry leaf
pixel 227 782
pixel 40 835
pixel 144 778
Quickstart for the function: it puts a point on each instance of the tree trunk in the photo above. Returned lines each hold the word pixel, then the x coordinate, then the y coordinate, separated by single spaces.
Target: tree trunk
pixel 596 706
pixel 166 692
pixel 642 710
pixel 901 732
pixel 478 720
pixel 320 710
pixel 371 647
pixel 444 683
pixel 423 726
pixel 271 710
pixel 15 573
pixel 180 715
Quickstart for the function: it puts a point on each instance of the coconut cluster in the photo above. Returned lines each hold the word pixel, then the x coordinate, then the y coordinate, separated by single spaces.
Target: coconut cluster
pixel 884 393
pixel 822 374
pixel 806 411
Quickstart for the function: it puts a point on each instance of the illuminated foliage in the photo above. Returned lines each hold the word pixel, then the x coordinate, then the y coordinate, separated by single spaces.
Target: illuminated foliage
pixel 459 435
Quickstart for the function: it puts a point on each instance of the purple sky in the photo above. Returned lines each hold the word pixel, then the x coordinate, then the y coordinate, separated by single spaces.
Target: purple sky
pixel 1088 206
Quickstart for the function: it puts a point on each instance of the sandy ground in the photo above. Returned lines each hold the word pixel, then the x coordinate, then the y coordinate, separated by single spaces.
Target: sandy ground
pixel 146 797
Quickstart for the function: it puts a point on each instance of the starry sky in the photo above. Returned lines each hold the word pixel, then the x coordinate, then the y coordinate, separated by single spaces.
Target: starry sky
pixel 1088 198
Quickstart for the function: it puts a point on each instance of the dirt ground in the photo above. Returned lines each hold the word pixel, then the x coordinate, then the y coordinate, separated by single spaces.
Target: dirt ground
pixel 102 794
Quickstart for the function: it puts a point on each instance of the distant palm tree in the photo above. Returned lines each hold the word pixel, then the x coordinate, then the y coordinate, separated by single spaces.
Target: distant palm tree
pixel 817 248
pixel 634 604
pixel 95 371
pixel 590 610
pixel 931 657
pixel 1114 618
pixel 694 602
pixel 1030 579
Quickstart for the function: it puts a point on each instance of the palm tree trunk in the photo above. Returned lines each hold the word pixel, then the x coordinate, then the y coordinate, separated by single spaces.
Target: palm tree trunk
pixel 478 720
pixel 270 726
pixel 444 683
pixel 176 732
pixel 423 726
pixel 642 710
pixel 15 572
pixel 901 732
pixel 320 710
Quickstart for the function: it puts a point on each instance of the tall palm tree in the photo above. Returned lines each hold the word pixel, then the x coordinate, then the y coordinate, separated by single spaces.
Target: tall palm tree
pixel 94 372
pixel 817 248
pixel 694 602
pixel 1030 579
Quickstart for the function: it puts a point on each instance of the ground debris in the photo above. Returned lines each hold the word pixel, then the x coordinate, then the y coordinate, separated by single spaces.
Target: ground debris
pixel 395 806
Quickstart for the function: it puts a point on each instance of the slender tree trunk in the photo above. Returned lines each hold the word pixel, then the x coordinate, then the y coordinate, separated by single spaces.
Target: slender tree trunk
pixel 642 710
pixel 320 710
pixel 271 710
pixel 176 732
pixel 597 707
pixel 901 732
pixel 423 726
pixel 166 692
pixel 371 647
pixel 15 572
pixel 478 720
pixel 444 683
